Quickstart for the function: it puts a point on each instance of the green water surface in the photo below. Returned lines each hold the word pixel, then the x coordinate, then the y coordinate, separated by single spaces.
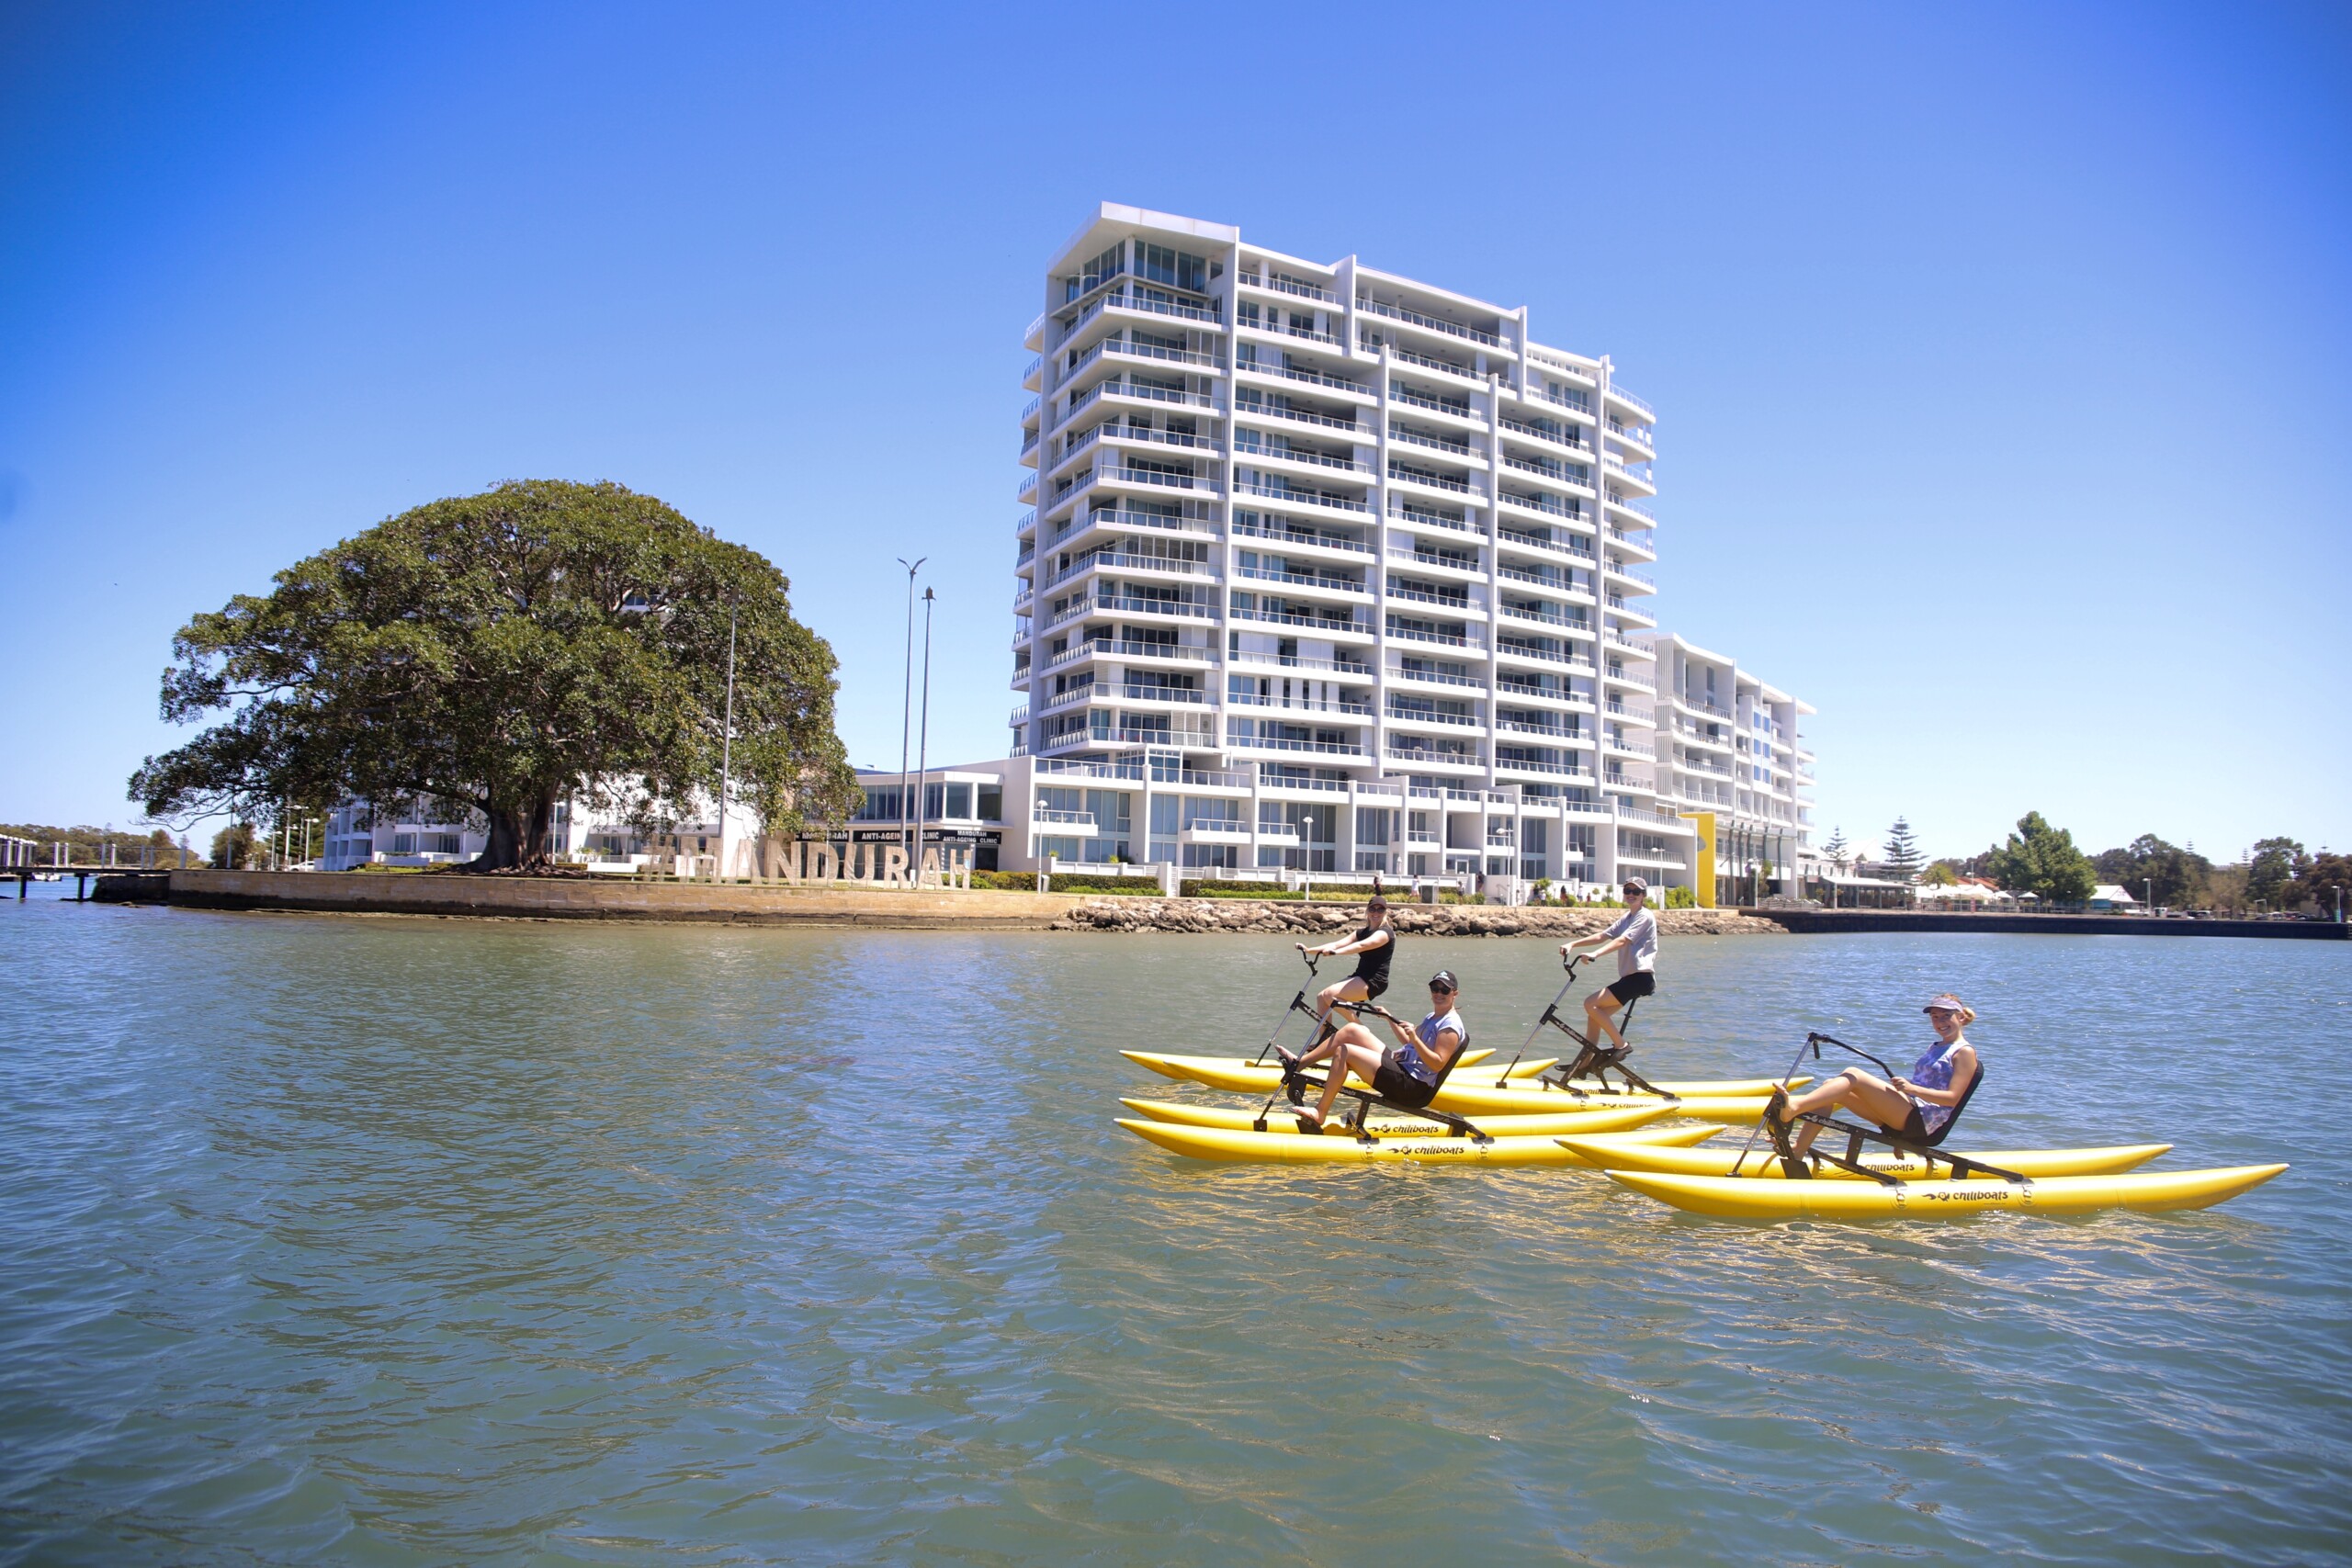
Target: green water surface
pixel 401 1241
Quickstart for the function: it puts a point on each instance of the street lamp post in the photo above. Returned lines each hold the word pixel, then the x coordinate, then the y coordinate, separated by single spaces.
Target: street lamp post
pixel 726 742
pixel 907 696
pixel 923 743
pixel 2148 888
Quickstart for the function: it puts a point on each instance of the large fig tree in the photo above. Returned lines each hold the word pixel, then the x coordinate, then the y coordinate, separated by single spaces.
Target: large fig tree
pixel 540 641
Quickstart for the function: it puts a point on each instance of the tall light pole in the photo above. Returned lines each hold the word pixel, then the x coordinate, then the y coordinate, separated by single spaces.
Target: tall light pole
pixel 923 743
pixel 727 740
pixel 2148 887
pixel 907 698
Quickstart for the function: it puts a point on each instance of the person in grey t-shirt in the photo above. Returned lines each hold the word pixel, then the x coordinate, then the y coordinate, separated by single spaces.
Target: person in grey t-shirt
pixel 1633 939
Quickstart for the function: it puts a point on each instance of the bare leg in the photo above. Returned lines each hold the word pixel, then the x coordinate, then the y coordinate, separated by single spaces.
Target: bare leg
pixel 1350 989
pixel 1351 1050
pixel 1598 1011
pixel 1855 1090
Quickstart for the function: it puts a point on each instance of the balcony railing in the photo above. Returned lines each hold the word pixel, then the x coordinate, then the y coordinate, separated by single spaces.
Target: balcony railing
pixel 1291 455
pixel 1419 477
pixel 1442 639
pixel 1630 505
pixel 1299 417
pixel 1276 743
pixel 1405 513
pixel 1443 600
pixel 1573 439
pixel 1632 402
pixel 1400 394
pixel 1141 694
pixel 1430 715
pixel 1443 367
pixel 1415 438
pixel 1318 623
pixel 1311 378
pixel 1439 676
pixel 1291 661
pixel 1302 580
pixel 1299 705
pixel 1551 506
pixel 1116 560
pixel 1433 758
pixel 1185 654
pixel 1289 285
pixel 1298 497
pixel 1317 541
pixel 1402 313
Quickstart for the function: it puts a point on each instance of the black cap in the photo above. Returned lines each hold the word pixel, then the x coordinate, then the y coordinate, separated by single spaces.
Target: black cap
pixel 1443 980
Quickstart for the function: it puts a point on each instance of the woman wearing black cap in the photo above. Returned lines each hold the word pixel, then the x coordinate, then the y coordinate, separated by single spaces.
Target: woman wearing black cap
pixel 1633 939
pixel 1405 1074
pixel 1375 947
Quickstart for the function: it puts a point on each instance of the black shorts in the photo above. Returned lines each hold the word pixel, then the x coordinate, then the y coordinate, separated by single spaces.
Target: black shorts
pixel 1913 1129
pixel 1640 983
pixel 1394 1083
pixel 1372 985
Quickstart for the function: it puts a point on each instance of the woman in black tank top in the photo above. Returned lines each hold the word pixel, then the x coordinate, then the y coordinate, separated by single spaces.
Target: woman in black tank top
pixel 1375 947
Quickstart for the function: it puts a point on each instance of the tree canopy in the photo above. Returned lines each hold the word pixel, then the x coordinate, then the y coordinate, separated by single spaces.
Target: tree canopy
pixel 2163 874
pixel 2270 865
pixel 541 640
pixel 2042 860
pixel 1901 852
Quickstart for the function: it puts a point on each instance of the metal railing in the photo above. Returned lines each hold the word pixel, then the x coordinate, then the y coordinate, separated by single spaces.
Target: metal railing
pixel 1320 541
pixel 1311 378
pixel 1298 497
pixel 1414 318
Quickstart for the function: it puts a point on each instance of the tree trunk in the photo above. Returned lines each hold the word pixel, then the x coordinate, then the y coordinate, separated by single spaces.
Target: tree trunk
pixel 518 836
pixel 503 851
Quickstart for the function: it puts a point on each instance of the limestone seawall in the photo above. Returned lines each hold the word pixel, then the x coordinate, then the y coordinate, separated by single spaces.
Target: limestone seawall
pixel 450 894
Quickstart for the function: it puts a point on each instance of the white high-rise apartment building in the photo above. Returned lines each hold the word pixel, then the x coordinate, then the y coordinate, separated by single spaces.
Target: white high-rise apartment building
pixel 1728 743
pixel 1332 569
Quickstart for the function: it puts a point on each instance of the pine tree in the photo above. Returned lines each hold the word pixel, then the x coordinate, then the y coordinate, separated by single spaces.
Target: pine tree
pixel 1902 856
pixel 1833 849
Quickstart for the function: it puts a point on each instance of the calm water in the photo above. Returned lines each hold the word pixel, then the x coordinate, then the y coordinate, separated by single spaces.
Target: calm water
pixel 394 1242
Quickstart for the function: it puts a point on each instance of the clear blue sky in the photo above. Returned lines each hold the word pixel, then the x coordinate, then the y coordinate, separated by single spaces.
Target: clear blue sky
pixel 2001 354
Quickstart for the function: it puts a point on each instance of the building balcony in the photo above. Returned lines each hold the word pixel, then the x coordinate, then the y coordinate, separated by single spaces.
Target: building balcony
pixel 1641 544
pixel 1452 408
pixel 1553 544
pixel 1063 822
pixel 1401 354
pixel 1354 711
pixel 1113 561
pixel 1543 770
pixel 1438 678
pixel 1179 696
pixel 1405 514
pixel 1313 625
pixel 1561 657
pixel 1452 605
pixel 1337 587
pixel 1028 491
pixel 1440 720
pixel 1550 507
pixel 1278 496
pixel 1617 503
pixel 1431 480
pixel 1155 652
pixel 1033 379
pixel 1649 415
pixel 1519 692
pixel 1564 438
pixel 1284 418
pixel 1616 469
pixel 1458 450
pixel 1270 282
pixel 1464 568
pixel 1426 761
pixel 1313 462
pixel 1278 745
pixel 1301 376
pixel 1639 439
pixel 1405 315
pixel 1303 538
pixel 1215 833
pixel 1461 640
pixel 1624 677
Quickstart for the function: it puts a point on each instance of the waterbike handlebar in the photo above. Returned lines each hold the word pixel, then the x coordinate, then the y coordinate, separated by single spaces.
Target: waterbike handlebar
pixel 1818 1040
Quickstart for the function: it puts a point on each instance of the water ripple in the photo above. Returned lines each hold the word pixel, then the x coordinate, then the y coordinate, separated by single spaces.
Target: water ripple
pixel 397 1241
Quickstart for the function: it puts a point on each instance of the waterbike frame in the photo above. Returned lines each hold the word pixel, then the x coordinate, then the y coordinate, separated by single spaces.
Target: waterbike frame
pixel 1962 1168
pixel 1594 1060
pixel 1297 1004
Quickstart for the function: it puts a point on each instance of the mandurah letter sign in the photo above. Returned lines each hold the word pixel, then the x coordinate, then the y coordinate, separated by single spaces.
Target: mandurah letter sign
pixel 775 858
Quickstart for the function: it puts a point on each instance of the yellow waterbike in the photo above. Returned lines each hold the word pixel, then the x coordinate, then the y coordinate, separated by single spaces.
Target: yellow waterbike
pixel 1915 1177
